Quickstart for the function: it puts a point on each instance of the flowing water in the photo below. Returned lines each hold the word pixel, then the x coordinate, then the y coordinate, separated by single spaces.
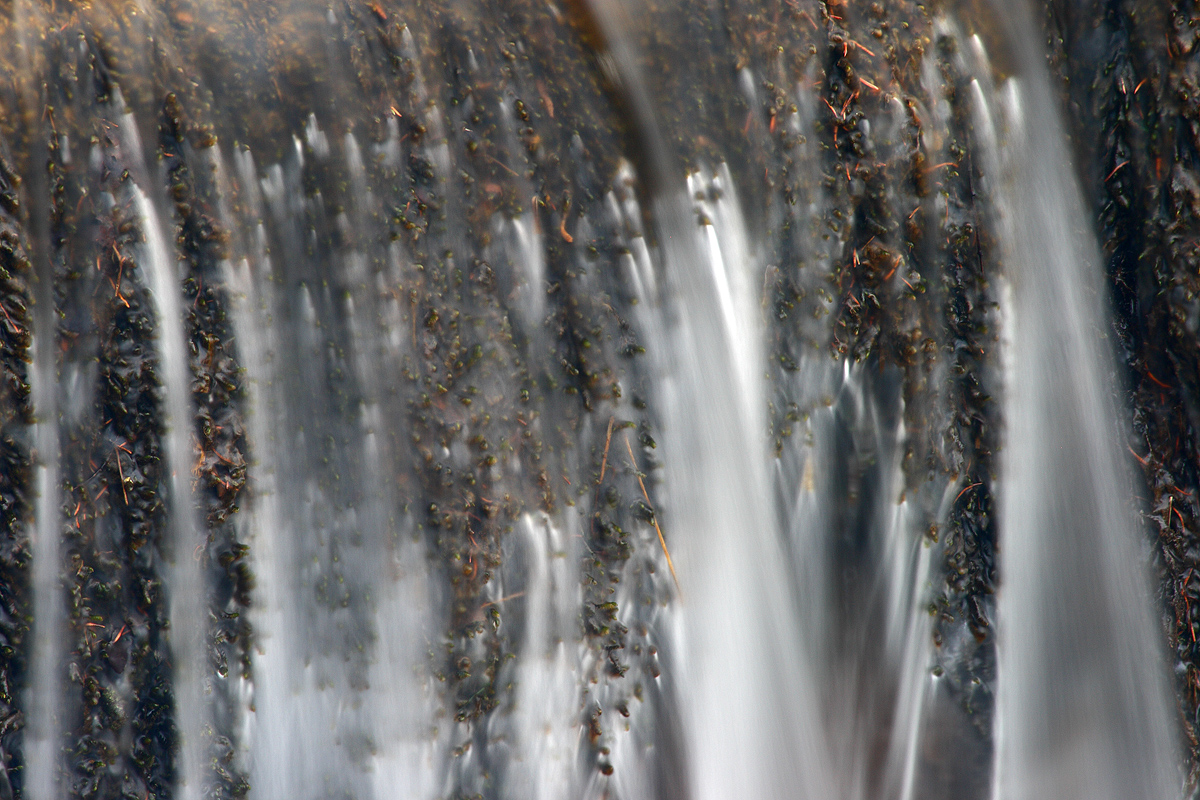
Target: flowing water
pixel 608 400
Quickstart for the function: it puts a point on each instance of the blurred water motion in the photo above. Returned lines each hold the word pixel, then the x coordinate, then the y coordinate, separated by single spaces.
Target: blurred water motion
pixel 601 400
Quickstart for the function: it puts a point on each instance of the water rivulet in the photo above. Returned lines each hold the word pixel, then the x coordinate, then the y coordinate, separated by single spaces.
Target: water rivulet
pixel 606 399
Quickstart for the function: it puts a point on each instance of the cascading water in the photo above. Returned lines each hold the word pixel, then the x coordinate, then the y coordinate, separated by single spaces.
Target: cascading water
pixel 1085 712
pixel 659 400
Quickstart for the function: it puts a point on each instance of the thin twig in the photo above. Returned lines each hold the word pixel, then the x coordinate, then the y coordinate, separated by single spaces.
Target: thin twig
pixel 967 489
pixel 501 600
pixel 607 442
pixel 121 473
pixel 661 540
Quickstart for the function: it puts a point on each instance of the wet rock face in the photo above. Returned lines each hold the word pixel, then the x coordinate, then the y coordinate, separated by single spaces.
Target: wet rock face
pixel 415 250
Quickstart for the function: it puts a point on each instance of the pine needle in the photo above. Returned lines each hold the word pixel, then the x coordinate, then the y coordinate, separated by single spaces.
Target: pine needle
pixel 645 494
pixel 607 442
pixel 501 600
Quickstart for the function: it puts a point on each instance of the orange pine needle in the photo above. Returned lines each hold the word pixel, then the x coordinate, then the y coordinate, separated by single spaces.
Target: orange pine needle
pixel 501 600
pixel 607 442
pixel 965 490
pixel 121 473
pixel 645 494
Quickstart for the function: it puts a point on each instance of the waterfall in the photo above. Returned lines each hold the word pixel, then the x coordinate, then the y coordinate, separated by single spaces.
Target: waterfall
pixel 1082 710
pixel 601 400
pixel 45 688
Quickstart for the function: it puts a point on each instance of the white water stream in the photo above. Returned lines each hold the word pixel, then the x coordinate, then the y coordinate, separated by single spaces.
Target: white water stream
pixel 750 700
pixel 45 723
pixel 1083 706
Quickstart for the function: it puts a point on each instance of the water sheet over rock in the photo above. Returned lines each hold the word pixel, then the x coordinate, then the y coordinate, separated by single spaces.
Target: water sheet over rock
pixel 601 399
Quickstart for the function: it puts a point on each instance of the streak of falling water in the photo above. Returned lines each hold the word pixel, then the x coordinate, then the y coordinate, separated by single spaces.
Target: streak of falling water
pixel 294 716
pixel 188 599
pixel 1082 705
pixel 322 723
pixel 43 735
pixel 257 337
pixel 398 694
pixel 548 675
pixel 43 742
pixel 749 692
pixel 745 679
pixel 45 687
